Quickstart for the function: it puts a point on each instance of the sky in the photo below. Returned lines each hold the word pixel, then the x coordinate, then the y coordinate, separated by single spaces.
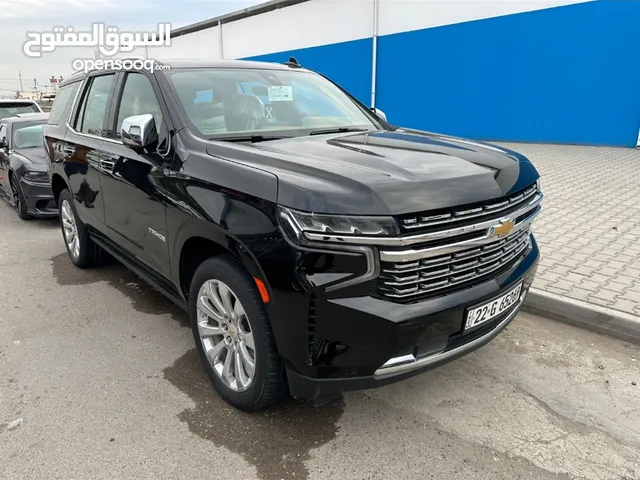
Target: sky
pixel 18 17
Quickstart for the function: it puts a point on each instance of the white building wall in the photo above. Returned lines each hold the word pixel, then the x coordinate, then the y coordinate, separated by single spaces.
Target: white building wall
pixel 203 44
pixel 397 16
pixel 309 24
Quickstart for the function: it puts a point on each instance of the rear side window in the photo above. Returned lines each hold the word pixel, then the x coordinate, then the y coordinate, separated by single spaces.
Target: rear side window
pixel 92 113
pixel 63 102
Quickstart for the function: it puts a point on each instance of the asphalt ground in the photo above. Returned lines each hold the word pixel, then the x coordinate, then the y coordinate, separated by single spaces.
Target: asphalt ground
pixel 103 373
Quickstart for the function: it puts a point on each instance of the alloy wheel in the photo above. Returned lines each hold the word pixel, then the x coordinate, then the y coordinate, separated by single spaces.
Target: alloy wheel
pixel 226 335
pixel 70 229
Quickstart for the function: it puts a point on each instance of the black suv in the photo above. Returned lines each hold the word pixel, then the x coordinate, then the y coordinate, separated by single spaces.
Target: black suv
pixel 316 248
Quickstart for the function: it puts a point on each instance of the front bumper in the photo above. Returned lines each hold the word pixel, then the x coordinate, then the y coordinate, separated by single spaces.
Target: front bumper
pixel 39 197
pixel 350 335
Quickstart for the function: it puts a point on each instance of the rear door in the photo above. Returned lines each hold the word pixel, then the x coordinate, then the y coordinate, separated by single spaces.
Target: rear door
pixel 81 148
pixel 56 127
pixel 134 183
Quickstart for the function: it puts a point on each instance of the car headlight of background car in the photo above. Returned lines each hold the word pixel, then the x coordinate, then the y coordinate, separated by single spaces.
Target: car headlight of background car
pixel 36 177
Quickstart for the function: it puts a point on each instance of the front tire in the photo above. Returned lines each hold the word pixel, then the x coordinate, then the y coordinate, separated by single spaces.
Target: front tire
pixel 19 200
pixel 233 335
pixel 84 253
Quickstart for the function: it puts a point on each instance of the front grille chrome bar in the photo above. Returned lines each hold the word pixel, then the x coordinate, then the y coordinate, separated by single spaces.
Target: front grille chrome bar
pixel 479 227
pixel 485 210
pixel 410 255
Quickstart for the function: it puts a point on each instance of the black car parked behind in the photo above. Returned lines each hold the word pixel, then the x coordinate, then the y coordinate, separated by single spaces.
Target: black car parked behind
pixel 24 181
pixel 316 248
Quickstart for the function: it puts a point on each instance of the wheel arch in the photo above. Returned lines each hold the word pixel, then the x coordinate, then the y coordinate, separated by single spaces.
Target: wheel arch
pixel 58 184
pixel 202 241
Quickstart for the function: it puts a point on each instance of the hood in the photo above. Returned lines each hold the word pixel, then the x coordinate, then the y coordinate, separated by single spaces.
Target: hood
pixel 384 172
pixel 35 155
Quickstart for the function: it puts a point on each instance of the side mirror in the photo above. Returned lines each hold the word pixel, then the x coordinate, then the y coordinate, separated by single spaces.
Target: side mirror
pixel 379 113
pixel 3 143
pixel 139 131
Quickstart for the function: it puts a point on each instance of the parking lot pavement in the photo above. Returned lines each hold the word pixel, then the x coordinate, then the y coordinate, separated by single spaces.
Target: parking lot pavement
pixel 589 228
pixel 103 372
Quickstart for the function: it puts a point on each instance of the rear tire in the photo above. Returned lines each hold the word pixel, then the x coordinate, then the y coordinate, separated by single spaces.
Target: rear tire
pixel 84 253
pixel 19 200
pixel 228 317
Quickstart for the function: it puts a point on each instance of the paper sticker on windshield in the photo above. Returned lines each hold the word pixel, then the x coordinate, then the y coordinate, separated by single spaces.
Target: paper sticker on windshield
pixel 280 93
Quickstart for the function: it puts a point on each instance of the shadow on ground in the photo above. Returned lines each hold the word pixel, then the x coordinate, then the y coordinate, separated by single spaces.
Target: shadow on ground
pixel 277 441
pixel 143 297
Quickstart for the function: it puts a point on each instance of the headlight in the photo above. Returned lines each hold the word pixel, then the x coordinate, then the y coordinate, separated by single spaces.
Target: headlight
pixel 37 177
pixel 346 225
pixel 538 185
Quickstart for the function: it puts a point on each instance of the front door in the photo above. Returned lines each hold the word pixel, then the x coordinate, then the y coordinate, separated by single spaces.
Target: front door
pixel 133 183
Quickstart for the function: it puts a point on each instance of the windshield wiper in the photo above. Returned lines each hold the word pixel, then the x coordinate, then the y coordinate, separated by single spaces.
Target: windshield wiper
pixel 247 138
pixel 337 130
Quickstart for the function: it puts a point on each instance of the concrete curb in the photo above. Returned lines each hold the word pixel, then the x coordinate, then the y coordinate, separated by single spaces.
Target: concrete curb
pixel 582 314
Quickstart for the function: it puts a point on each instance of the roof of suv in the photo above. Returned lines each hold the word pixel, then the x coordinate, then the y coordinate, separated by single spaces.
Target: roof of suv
pixel 181 63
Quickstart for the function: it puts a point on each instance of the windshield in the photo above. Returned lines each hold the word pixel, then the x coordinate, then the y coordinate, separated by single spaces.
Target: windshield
pixel 27 135
pixel 16 108
pixel 254 101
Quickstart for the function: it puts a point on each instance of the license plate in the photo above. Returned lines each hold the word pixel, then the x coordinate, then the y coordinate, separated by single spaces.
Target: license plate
pixel 485 312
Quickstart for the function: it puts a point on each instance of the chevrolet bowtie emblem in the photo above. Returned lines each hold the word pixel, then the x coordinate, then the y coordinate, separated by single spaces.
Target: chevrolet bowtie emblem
pixel 503 230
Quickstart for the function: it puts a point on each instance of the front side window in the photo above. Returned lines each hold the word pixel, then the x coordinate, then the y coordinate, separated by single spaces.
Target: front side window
pixel 63 102
pixel 218 101
pixel 27 134
pixel 3 133
pixel 11 109
pixel 139 98
pixel 92 113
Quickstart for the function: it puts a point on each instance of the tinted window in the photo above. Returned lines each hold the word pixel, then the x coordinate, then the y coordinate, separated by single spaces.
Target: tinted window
pixel 256 100
pixel 91 117
pixel 11 109
pixel 62 104
pixel 27 134
pixel 138 98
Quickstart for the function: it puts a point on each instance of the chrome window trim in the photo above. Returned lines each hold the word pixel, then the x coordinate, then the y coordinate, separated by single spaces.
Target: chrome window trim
pixel 423 237
pixel 83 85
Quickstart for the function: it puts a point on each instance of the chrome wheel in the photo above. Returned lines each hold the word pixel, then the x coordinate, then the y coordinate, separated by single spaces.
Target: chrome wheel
pixel 226 335
pixel 70 229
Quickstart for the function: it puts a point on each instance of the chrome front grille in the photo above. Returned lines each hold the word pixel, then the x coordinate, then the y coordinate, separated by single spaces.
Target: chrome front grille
pixel 472 244
pixel 478 212
pixel 405 280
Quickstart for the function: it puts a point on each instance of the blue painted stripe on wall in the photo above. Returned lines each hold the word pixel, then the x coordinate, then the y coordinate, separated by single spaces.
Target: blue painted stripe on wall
pixel 566 75
pixel 563 75
pixel 346 63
